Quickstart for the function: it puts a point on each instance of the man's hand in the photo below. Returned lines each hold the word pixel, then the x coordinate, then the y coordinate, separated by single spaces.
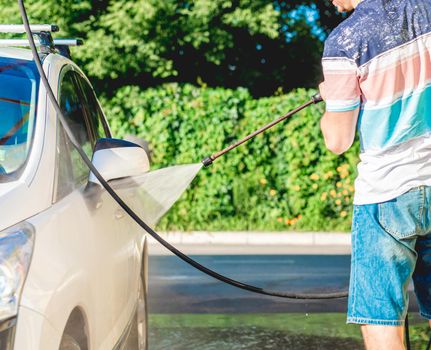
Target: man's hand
pixel 322 90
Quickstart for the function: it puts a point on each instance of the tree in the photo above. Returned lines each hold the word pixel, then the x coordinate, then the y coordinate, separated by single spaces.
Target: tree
pixel 259 44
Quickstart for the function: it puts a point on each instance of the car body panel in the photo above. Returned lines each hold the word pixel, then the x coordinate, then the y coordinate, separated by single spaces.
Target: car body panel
pixel 35 332
pixel 82 272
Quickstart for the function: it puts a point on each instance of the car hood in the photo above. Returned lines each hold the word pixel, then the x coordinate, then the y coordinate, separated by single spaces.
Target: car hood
pixel 18 203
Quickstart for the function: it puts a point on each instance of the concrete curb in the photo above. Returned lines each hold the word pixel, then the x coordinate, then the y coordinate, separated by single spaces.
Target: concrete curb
pixel 256 238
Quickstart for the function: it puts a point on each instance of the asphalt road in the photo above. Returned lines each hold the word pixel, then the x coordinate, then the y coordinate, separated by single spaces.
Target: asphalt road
pixel 176 287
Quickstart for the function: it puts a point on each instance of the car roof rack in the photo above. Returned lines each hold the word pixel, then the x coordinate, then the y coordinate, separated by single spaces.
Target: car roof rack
pixel 44 38
pixel 35 28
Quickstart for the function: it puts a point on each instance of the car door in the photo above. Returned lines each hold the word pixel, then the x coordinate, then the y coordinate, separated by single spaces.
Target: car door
pixel 100 223
pixel 128 235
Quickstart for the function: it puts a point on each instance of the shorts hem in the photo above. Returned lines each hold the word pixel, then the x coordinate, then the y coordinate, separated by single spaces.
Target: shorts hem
pixel 371 321
pixel 424 315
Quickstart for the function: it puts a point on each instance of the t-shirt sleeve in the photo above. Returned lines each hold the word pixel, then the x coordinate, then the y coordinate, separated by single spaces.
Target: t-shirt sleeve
pixel 342 91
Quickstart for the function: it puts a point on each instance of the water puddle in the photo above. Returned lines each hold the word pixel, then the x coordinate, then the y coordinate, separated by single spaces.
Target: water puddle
pixel 276 331
pixel 253 332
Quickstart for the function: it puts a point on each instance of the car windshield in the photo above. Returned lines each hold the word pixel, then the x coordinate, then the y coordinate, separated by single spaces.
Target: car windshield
pixel 19 84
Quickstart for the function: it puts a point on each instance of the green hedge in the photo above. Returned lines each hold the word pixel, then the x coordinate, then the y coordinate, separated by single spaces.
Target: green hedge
pixel 284 179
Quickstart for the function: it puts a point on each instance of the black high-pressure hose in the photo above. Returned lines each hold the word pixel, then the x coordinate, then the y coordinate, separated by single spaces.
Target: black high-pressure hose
pixel 132 214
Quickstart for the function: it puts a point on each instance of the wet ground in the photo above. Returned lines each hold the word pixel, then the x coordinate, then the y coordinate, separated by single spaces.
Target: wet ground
pixel 252 338
pixel 191 311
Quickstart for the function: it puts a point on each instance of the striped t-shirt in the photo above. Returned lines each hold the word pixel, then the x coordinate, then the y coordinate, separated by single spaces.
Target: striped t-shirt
pixel 379 59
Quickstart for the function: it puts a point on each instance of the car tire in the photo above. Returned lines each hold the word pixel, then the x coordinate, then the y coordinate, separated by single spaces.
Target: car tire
pixel 69 343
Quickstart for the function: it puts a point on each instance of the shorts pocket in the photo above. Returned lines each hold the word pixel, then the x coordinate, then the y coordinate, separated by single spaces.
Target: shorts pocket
pixel 402 217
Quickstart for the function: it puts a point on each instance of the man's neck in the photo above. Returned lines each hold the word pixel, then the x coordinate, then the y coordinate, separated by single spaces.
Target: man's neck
pixel 355 3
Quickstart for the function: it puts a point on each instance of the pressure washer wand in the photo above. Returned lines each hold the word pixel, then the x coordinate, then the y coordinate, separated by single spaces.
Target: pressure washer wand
pixel 209 160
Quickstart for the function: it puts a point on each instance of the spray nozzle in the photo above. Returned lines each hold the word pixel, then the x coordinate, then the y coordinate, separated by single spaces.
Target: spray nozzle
pixel 207 161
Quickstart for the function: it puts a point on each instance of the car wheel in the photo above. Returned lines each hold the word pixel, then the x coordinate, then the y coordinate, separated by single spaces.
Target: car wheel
pixel 69 343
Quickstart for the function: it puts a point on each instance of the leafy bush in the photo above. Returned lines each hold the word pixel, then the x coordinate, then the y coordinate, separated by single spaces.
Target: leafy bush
pixel 283 179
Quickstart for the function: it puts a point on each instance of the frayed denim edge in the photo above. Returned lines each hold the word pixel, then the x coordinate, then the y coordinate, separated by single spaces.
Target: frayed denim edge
pixel 360 320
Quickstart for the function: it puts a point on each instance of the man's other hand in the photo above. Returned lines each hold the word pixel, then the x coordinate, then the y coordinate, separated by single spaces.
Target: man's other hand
pixel 322 90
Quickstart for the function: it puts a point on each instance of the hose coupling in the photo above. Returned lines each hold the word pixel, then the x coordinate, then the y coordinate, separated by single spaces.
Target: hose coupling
pixel 316 98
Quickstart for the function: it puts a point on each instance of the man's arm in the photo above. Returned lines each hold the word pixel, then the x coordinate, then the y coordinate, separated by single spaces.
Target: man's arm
pixel 339 130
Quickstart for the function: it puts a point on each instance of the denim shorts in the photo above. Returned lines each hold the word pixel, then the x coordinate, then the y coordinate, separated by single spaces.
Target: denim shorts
pixel 391 243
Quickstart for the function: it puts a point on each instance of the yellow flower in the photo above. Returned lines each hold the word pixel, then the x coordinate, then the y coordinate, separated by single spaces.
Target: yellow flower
pixel 338 184
pixel 315 186
pixel 287 221
pixel 299 217
pixel 338 202
pixel 263 181
pixel 314 177
pixel 347 180
pixel 343 213
pixel 345 192
pixel 296 187
pixel 293 221
pixel 351 189
pixel 323 196
pixel 328 175
pixel 332 193
pixel 279 219
pixel 347 199
pixel 272 192
pixel 339 169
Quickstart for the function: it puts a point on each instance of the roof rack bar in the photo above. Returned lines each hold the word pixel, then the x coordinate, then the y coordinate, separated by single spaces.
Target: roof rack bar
pixel 25 43
pixel 16 42
pixel 35 28
pixel 68 42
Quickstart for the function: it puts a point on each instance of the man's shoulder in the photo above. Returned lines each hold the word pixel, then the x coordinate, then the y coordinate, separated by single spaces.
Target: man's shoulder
pixel 346 39
pixel 378 26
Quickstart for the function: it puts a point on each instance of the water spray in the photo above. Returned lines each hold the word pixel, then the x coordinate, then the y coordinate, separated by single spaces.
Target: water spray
pixel 209 160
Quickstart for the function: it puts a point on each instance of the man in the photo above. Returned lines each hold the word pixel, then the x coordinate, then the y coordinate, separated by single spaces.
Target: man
pixel 377 70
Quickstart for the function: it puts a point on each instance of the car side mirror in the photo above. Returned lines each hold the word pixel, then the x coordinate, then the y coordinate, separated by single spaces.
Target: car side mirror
pixel 115 159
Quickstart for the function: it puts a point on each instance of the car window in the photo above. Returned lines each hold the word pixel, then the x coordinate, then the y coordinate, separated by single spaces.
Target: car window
pixel 95 114
pixel 72 172
pixel 65 178
pixel 19 83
